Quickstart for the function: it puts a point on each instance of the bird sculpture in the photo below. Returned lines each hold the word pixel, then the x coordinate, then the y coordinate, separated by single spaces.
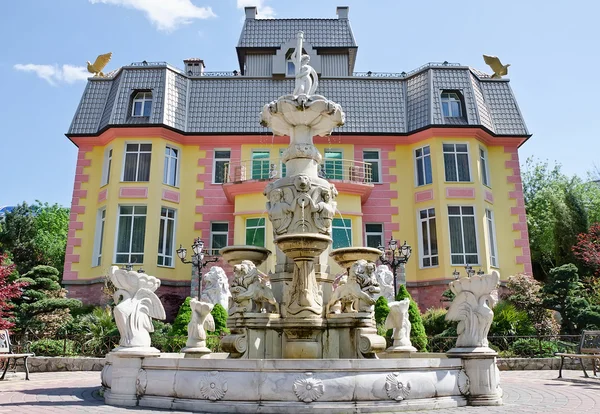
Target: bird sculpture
pixel 494 63
pixel 99 64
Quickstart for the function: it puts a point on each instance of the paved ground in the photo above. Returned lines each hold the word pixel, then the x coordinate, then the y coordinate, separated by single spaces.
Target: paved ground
pixel 524 392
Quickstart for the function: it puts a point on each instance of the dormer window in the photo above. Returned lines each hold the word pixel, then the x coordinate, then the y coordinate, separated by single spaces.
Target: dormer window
pixel 290 66
pixel 142 104
pixel 452 104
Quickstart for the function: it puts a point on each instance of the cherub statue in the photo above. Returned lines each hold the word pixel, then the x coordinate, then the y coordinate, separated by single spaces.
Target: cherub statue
pixel 349 297
pixel 251 290
pixel 324 212
pixel 201 322
pixel 306 77
pixel 136 305
pixel 280 212
pixel 365 276
pixel 217 287
pixel 398 320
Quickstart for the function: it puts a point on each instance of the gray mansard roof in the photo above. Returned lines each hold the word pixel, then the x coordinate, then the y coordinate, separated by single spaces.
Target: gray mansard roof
pixel 231 104
pixel 320 33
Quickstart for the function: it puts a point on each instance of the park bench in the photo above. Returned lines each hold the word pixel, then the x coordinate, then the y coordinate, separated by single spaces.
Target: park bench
pixel 7 355
pixel 589 348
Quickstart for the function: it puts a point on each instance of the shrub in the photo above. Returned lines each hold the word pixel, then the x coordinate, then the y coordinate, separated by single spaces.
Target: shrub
pixel 53 347
pixel 434 321
pixel 418 337
pixel 184 316
pixel 532 347
pixel 509 321
pixel 381 310
pixel 219 314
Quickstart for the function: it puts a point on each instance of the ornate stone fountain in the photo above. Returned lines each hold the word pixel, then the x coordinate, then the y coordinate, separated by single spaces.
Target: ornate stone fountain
pixel 296 344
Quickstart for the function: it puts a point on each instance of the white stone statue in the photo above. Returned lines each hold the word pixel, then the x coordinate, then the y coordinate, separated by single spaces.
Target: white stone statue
pixel 136 305
pixel 324 212
pixel 306 77
pixel 251 290
pixel 280 212
pixel 352 297
pixel 217 287
pixel 472 308
pixel 201 322
pixel 398 320
pixel 385 278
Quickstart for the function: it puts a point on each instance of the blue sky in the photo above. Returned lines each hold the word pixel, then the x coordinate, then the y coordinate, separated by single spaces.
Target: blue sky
pixel 552 49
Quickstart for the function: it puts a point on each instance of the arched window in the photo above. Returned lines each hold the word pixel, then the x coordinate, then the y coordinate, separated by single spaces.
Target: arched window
pixel 452 106
pixel 142 104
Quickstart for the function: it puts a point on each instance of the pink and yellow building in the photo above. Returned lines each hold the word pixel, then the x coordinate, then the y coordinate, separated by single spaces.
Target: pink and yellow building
pixel 165 155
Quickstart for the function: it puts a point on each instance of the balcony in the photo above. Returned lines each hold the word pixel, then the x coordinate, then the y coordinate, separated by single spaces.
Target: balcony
pixel 250 176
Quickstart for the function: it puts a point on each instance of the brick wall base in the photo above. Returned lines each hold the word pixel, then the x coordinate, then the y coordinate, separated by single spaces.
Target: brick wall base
pixel 428 296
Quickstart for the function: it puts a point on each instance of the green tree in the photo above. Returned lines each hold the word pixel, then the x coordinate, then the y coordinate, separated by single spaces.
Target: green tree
pixel 564 293
pixel 8 291
pixel 184 316
pixel 559 208
pixel 43 309
pixel 35 235
pixel 418 337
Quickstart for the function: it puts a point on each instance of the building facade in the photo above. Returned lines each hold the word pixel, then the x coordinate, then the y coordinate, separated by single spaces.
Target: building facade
pixel 166 155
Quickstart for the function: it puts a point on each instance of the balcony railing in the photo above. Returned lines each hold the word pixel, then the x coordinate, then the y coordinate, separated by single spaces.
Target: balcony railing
pixel 271 169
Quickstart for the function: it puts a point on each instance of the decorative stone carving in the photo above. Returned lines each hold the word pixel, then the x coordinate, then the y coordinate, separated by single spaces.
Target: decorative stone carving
pixel 356 292
pixel 385 278
pixel 472 308
pixel 141 382
pixel 324 212
pixel 398 320
pixel 308 388
pixel 280 212
pixel 251 290
pixel 217 287
pixel 396 389
pixel 213 386
pixel 236 344
pixel 201 321
pixel 464 384
pixel 136 305
pixel 301 151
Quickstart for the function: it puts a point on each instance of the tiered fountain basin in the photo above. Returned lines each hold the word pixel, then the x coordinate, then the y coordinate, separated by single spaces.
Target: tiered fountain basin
pixel 236 254
pixel 214 385
pixel 346 256
pixel 303 246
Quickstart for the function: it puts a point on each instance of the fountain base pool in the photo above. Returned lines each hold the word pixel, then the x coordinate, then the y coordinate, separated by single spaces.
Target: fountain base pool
pixel 216 384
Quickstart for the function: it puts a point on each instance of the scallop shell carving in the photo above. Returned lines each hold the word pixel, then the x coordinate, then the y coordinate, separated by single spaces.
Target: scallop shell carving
pixel 464 383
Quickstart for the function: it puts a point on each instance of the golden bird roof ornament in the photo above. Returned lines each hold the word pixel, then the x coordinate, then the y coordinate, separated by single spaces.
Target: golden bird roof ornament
pixel 494 63
pixel 99 64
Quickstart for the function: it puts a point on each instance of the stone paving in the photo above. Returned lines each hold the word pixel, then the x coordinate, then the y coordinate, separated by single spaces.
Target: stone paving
pixel 524 392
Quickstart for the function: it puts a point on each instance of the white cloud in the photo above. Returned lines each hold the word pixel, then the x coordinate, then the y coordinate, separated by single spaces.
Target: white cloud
pixel 165 14
pixel 55 74
pixel 264 12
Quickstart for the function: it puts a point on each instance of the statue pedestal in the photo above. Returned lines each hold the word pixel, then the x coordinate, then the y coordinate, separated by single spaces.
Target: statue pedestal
pixel 196 352
pixel 483 376
pixel 135 351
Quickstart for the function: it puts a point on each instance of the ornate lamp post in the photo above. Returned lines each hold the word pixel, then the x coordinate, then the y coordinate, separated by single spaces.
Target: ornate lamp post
pixel 399 257
pixel 197 261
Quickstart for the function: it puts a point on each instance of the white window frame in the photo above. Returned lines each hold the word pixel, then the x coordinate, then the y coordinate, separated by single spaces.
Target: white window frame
pixel 169 159
pixel 378 161
pixel 341 160
pixel 456 161
pixel 345 229
pixel 282 165
pixel 492 239
pixel 219 233
pixel 422 156
pixel 463 238
pixel 99 236
pixel 261 160
pixel 247 227
pixel 106 166
pixel 422 255
pixel 142 97
pixel 381 234
pixel 484 167
pixel 450 99
pixel 131 233
pixel 137 167
pixel 163 223
pixel 215 160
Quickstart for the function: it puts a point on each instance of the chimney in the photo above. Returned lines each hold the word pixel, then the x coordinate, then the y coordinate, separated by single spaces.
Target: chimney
pixel 193 66
pixel 342 12
pixel 251 12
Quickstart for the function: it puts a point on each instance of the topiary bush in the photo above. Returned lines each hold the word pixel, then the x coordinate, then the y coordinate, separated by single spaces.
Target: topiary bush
pixel 418 337
pixel 531 347
pixel 184 316
pixel 53 347
pixel 219 314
